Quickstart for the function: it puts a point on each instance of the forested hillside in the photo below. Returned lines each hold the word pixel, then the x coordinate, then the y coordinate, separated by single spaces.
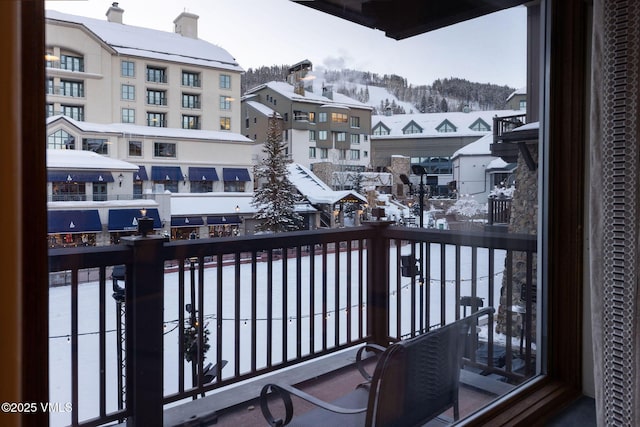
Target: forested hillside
pixel 448 94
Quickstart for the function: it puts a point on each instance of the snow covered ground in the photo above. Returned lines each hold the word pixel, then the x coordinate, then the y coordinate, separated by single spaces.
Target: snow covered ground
pixel 88 306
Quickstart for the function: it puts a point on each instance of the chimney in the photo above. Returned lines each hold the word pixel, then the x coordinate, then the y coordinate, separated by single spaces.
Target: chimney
pixel 298 75
pixel 327 91
pixel 186 24
pixel 114 14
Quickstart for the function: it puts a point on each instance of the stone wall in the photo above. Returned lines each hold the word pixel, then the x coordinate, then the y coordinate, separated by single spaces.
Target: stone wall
pixel 524 219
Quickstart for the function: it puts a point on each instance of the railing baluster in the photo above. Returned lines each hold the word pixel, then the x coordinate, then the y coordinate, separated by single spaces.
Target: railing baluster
pixel 336 295
pixel 74 345
pixel 102 328
pixel 236 316
pixel 324 297
pixel 298 302
pixel 349 290
pixel 443 286
pixel 254 311
pixel 285 304
pixel 312 300
pixel 269 308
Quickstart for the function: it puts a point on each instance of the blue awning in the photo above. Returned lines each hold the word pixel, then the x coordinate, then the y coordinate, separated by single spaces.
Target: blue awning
pixel 79 176
pixel 223 219
pixel 80 221
pixel 203 174
pixel 127 219
pixel 236 174
pixel 186 221
pixel 166 173
pixel 141 175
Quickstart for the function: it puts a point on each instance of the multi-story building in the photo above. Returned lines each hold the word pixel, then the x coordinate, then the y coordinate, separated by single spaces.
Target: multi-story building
pixel 428 140
pixel 165 103
pixel 104 71
pixel 326 132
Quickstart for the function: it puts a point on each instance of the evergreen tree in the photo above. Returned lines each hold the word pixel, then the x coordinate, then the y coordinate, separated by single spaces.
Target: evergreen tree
pixel 276 197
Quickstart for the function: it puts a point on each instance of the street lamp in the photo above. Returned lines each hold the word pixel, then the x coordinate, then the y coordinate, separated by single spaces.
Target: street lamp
pixel 145 224
pixel 420 170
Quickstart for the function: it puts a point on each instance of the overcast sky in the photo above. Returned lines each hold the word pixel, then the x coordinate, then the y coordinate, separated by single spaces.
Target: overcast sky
pixel 275 32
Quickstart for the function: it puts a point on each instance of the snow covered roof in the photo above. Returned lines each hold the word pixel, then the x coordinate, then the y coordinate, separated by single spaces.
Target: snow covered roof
pixel 150 131
pixel 287 90
pixel 263 109
pixel 211 203
pixel 528 126
pixel 520 91
pixel 429 122
pixel 149 43
pixel 314 189
pixel 80 159
pixel 500 165
pixel 481 147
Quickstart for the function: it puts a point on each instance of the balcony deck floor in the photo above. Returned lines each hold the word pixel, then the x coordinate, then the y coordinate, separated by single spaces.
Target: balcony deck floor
pixel 329 387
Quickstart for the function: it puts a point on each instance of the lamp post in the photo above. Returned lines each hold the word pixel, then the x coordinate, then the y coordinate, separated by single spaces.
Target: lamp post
pixel 420 170
pixel 145 224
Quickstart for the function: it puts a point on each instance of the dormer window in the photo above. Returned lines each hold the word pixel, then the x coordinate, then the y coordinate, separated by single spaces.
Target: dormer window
pixel 412 127
pixel 480 126
pixel 446 126
pixel 381 129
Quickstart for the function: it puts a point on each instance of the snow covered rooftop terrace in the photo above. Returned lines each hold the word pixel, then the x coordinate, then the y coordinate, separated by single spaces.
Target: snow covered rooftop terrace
pixel 81 159
pixel 148 43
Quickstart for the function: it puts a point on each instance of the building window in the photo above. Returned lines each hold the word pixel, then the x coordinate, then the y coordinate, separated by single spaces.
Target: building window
pixel 127 69
pixel 354 154
pixel 312 117
pixel 324 153
pixel 190 100
pixel 380 129
pixel 69 191
pixel 355 138
pixel 446 126
pixel 135 148
pixel 341 136
pixel 156 97
pixel 322 135
pixel 225 123
pixel 480 126
pixel 60 139
pixel 225 102
pixel 156 74
pixel 312 135
pixel 201 186
pixel 99 192
pixel 322 117
pixel 76 112
pixel 225 81
pixel 72 88
pixel 312 152
pixel 97 145
pixel 355 122
pixel 128 115
pixel 190 122
pixel 342 154
pixel 128 92
pixel 50 110
pixel 190 79
pixel 71 63
pixel 523 105
pixel 157 120
pixel 411 128
pixel 50 87
pixel 234 186
pixel 164 149
pixel 339 118
pixel 365 154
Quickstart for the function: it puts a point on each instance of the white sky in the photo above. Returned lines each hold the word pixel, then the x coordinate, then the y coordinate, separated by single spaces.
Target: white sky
pixel 490 49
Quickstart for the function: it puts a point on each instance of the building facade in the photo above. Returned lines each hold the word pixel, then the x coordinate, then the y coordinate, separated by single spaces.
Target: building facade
pixel 323 130
pixel 108 72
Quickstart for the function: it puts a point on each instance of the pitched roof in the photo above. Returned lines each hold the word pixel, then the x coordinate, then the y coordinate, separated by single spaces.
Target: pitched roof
pixel 287 90
pixel 130 40
pixel 430 122
pixel 314 189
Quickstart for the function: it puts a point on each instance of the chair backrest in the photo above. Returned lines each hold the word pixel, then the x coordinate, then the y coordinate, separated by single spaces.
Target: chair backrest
pixel 417 379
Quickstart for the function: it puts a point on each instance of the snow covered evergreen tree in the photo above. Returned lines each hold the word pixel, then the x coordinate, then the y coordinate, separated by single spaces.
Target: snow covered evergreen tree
pixel 276 197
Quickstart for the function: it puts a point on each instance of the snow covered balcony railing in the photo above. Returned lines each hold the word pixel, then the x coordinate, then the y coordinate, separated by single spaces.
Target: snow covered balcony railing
pixel 499 211
pixel 126 344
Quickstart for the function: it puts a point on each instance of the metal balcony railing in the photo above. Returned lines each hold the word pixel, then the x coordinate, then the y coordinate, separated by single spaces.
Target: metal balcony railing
pixel 262 303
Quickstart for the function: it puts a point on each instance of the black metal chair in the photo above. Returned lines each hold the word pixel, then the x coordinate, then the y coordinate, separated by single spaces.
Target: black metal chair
pixel 414 381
